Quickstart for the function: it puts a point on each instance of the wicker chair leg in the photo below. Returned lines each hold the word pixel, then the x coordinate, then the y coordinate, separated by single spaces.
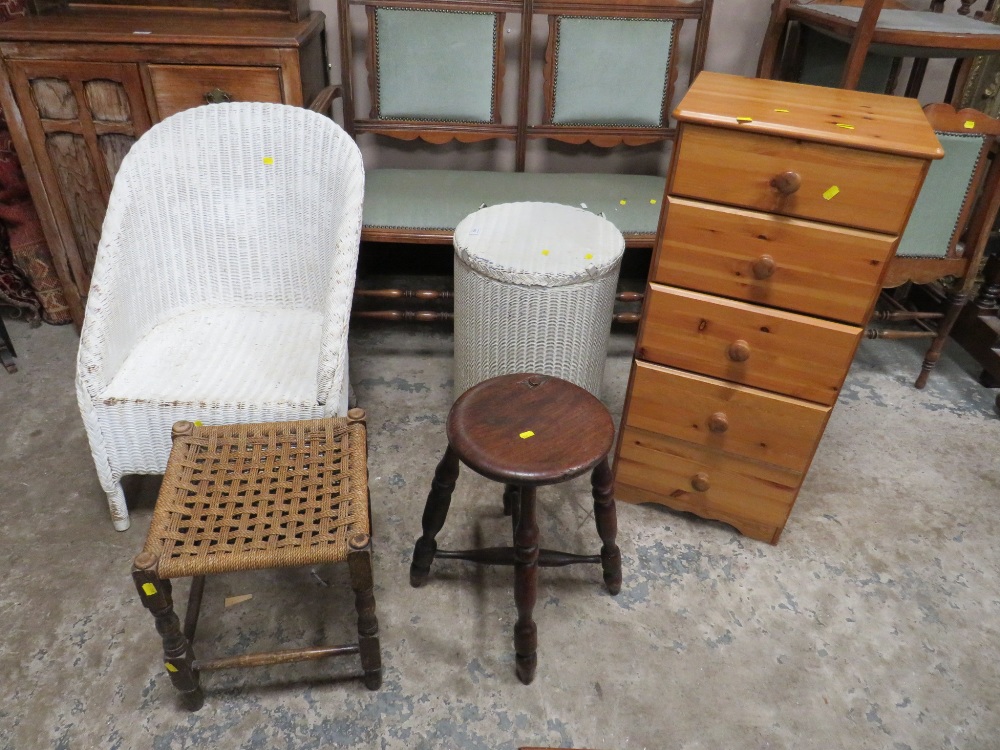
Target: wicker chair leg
pixel 119 510
pixel 178 657
pixel 359 560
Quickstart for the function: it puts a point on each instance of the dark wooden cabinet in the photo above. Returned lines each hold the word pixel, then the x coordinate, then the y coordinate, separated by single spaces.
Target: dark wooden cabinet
pixel 80 85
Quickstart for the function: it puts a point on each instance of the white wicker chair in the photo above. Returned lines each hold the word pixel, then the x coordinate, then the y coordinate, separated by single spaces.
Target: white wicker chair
pixel 223 282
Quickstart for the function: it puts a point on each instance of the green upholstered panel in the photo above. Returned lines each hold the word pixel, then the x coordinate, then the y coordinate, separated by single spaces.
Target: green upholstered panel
pixel 435 65
pixel 823 63
pixel 611 71
pixel 932 223
pixel 440 199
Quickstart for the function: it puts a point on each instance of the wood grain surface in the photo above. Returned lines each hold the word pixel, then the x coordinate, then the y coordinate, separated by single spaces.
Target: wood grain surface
pixel 862 189
pixel 813 268
pixel 792 354
pixel 730 418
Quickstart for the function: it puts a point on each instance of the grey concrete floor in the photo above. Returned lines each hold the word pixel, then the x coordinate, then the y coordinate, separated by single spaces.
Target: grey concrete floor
pixel 872 624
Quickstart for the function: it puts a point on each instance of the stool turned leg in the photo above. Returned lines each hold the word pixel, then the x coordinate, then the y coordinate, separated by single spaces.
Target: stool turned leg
pixel 178 657
pixel 510 499
pixel 359 560
pixel 526 586
pixel 603 483
pixel 435 513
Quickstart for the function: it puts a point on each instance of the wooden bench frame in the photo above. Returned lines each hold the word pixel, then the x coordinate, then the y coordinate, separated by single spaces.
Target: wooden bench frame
pixel 521 130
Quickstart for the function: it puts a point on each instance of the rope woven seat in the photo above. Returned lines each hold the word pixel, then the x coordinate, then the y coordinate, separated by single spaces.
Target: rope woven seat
pixel 534 292
pixel 291 493
pixel 252 497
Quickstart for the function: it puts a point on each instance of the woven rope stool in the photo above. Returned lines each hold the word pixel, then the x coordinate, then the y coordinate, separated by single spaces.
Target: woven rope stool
pixel 253 497
pixel 534 292
pixel 525 431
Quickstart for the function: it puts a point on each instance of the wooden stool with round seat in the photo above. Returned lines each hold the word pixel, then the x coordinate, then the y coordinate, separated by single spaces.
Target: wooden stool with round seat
pixel 525 431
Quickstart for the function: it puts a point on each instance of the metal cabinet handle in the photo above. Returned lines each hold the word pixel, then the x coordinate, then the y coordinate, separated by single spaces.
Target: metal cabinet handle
pixel 217 96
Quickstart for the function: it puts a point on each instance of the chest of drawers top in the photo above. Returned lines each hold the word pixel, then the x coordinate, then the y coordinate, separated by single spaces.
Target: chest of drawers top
pixel 885 124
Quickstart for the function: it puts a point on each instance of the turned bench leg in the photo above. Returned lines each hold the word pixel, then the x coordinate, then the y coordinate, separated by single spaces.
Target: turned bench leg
pixel 359 561
pixel 435 513
pixel 526 586
pixel 178 657
pixel 603 483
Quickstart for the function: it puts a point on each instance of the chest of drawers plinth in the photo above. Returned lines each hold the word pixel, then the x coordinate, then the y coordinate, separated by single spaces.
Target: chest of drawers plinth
pixel 783 207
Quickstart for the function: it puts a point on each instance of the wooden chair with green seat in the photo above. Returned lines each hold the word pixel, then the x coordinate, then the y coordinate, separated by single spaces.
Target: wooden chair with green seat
pixel 864 38
pixel 948 228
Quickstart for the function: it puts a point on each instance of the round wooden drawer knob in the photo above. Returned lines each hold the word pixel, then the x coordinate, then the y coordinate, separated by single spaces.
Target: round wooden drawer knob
pixel 699 482
pixel 739 351
pixel 718 422
pixel 786 183
pixel 763 267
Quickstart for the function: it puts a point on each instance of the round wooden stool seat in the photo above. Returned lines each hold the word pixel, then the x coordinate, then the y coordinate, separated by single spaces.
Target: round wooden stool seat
pixel 529 429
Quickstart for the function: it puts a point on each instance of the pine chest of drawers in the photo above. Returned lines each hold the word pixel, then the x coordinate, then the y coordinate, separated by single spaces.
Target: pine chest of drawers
pixel 784 205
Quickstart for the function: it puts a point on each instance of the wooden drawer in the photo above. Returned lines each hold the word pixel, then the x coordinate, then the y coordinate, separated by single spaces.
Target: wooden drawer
pixel 818 269
pixel 779 351
pixel 180 87
pixel 874 190
pixel 730 418
pixel 754 497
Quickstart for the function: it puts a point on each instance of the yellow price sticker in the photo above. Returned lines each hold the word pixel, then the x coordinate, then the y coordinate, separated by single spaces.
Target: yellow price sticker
pixel 845 126
pixel 622 202
pixel 170 667
pixel 652 201
pixel 831 192
pixel 782 110
pixel 970 124
pixel 148 589
pixel 269 160
pixel 545 252
pixel 526 434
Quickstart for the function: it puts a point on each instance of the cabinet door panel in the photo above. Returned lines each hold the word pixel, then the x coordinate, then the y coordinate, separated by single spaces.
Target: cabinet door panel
pixel 80 118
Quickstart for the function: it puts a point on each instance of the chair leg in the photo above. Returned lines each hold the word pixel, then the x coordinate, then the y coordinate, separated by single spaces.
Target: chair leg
pixel 955 308
pixel 178 656
pixel 435 513
pixel 606 517
pixel 119 510
pixel 359 560
pixel 526 587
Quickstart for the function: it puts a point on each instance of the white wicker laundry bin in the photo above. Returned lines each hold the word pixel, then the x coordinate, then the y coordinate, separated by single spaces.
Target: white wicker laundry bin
pixel 534 292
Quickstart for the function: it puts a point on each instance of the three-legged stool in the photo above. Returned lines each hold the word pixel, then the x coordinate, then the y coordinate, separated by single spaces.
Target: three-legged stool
pixel 525 431
pixel 253 497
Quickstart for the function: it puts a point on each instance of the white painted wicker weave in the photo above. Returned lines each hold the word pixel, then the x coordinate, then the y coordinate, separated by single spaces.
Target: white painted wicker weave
pixel 223 282
pixel 534 292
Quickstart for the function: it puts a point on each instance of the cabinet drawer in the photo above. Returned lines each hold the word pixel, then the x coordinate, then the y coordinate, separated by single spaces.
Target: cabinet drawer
pixel 754 497
pixel 731 418
pixel 779 351
pixel 818 269
pixel 873 190
pixel 180 87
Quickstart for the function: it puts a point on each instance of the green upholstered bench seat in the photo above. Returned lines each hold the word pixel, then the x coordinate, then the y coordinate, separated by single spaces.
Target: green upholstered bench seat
pixel 438 199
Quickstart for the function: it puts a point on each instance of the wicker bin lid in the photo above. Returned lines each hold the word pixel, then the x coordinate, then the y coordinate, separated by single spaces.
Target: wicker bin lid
pixel 538 244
